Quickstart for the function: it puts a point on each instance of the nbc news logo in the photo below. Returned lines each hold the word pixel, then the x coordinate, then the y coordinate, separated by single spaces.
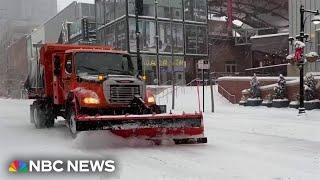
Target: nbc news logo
pixel 60 166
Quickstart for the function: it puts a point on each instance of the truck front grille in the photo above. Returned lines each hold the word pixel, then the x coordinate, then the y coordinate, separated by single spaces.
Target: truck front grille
pixel 123 94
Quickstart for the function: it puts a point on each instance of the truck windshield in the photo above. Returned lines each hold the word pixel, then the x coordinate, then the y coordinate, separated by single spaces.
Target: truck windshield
pixel 93 63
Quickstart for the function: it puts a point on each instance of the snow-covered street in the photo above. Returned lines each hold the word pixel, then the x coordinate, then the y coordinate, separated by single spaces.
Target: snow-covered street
pixel 243 143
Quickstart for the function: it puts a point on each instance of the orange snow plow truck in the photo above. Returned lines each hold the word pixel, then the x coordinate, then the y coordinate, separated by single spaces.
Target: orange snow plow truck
pixel 95 88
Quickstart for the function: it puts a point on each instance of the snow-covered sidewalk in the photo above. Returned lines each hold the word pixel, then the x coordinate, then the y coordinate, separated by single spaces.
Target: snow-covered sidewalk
pixel 244 143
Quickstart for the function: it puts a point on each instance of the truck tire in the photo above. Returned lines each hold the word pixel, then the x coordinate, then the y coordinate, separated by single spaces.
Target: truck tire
pixel 71 120
pixel 31 113
pixel 50 121
pixel 73 125
pixel 38 116
pixel 42 116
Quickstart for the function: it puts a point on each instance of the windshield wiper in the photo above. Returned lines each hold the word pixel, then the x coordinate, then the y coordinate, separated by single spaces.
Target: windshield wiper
pixel 90 69
pixel 118 70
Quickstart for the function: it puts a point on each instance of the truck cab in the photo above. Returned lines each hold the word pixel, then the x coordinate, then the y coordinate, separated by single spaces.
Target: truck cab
pixel 98 81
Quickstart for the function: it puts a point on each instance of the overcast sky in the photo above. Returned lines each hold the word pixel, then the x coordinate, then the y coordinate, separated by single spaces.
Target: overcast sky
pixel 63 3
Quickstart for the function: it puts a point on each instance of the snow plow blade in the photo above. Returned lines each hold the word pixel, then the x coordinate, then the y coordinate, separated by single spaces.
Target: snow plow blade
pixel 182 129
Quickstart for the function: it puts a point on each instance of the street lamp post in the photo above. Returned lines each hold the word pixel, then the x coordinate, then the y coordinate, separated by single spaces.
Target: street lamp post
pixel 302 37
pixel 138 11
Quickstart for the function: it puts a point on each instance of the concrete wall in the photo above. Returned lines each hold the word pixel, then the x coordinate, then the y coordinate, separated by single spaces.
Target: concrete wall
pixel 231 87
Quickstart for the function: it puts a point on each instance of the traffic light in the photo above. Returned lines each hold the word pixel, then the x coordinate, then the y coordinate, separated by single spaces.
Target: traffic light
pixel 139 7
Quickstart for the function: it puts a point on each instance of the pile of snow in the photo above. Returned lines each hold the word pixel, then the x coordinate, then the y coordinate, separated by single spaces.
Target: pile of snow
pixel 312 54
pixel 294 103
pixel 106 140
pixel 290 57
pixel 280 100
pixel 299 44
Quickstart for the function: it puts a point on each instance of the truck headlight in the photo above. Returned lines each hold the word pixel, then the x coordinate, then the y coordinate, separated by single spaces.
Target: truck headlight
pixel 90 100
pixel 101 77
pixel 151 99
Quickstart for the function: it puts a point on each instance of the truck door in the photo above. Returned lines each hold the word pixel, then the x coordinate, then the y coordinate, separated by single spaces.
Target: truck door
pixel 67 74
pixel 57 81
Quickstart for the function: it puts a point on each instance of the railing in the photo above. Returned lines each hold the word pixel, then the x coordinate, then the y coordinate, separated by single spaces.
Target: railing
pixel 230 97
pixel 177 87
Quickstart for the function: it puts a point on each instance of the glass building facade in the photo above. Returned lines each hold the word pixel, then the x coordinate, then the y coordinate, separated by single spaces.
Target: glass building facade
pixel 171 30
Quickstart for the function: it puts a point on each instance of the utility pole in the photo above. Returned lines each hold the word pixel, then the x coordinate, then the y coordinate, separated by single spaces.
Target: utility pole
pixel 301 63
pixel 202 89
pixel 301 38
pixel 138 11
pixel 211 91
pixel 157 42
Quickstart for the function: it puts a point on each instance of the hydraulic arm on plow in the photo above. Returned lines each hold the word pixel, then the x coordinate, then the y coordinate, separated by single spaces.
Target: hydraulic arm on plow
pixel 94 88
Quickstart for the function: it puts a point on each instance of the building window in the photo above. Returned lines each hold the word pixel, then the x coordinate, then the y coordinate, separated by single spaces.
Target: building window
pixel 164 9
pixel 196 39
pixel 120 8
pixel 171 9
pixel 121 37
pixel 230 67
pixel 99 37
pixel 132 35
pixel 165 44
pixel 150 68
pixel 148 7
pixel 109 36
pixel 165 69
pixel 171 67
pixel 191 39
pixel 171 36
pixel 202 40
pixel 178 69
pixel 109 10
pixel 99 12
pixel 177 38
pixel 131 7
pixel 147 38
pixel 195 10
pixel 176 9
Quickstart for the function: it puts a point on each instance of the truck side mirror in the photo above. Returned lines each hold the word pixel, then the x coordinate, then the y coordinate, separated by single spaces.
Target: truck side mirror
pixel 57 65
pixel 69 66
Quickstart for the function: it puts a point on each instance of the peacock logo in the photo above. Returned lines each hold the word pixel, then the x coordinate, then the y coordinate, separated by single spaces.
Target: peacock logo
pixel 18 166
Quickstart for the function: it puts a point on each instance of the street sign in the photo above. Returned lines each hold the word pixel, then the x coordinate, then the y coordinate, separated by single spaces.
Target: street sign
pixel 203 64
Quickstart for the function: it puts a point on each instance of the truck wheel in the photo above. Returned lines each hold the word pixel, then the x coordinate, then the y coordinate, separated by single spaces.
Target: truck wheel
pixel 50 121
pixel 38 117
pixel 49 117
pixel 72 122
pixel 32 113
pixel 42 116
